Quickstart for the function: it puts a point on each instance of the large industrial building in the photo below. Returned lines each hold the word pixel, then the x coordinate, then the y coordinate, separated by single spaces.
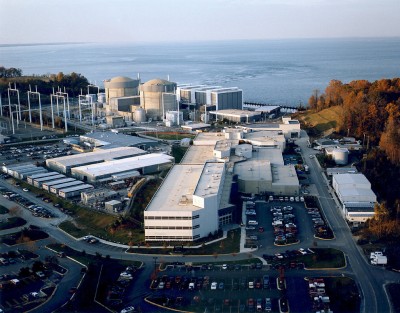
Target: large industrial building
pixel 355 194
pixel 103 172
pixel 65 163
pixel 109 140
pixel 186 207
pixel 196 194
pixel 289 128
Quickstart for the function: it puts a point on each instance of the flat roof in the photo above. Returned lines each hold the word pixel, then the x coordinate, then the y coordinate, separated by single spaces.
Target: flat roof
pixel 96 156
pixel 235 113
pixel 65 185
pixel 198 155
pixel 353 179
pixel 124 165
pixel 210 179
pixel 208 138
pixel 194 126
pixel 33 176
pixel 273 155
pixel 284 175
pixel 176 191
pixel 345 191
pixel 75 188
pixel 255 170
pixel 110 140
pixel 45 179
pixel 59 181
pixel 265 136
pixel 40 175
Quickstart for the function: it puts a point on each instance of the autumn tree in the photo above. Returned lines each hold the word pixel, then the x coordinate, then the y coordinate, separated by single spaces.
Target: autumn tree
pixel 390 139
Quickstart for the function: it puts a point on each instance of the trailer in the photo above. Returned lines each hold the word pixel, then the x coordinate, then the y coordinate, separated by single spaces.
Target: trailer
pixel 73 191
pixel 32 177
pixel 54 189
pixel 47 185
pixel 379 260
pixel 38 182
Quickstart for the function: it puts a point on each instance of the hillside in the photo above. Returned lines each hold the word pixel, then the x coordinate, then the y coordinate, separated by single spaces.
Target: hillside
pixel 319 123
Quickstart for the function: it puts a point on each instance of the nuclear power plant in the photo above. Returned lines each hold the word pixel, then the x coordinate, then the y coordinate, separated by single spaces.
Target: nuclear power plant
pixel 129 100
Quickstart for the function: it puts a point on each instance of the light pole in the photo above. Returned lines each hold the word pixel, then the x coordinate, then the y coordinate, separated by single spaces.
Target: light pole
pixel 155 264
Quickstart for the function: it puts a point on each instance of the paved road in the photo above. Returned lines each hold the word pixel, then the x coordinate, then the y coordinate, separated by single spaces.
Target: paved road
pixel 371 279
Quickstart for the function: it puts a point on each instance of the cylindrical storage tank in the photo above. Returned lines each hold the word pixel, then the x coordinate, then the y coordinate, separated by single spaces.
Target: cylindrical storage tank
pixel 341 156
pixel 139 115
pixel 157 96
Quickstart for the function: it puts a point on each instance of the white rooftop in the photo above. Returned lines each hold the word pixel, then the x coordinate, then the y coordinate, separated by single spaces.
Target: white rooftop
pixel 198 155
pixel 352 179
pixel 123 165
pixel 96 156
pixel 176 192
pixel 210 179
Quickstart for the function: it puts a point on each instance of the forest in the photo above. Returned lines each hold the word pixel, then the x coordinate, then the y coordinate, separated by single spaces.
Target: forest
pixel 72 82
pixel 370 111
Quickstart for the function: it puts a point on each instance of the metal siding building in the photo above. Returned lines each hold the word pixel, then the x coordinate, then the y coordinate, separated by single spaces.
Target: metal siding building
pixel 39 181
pixel 31 178
pixel 55 188
pixel 148 163
pixel 65 163
pixel 71 192
pixel 46 186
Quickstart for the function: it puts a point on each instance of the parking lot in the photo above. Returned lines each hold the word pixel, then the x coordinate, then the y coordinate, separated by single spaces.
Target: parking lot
pixel 227 288
pixel 264 234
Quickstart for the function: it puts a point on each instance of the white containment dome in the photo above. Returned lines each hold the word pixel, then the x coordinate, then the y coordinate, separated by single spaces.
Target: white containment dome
pixel 341 156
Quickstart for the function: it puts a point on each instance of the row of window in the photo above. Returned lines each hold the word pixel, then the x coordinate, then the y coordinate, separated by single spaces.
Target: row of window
pixel 172 237
pixel 171 217
pixel 172 227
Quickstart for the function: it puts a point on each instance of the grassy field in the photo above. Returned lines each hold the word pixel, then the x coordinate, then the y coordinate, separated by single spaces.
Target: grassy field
pixel 324 258
pixel 231 244
pixel 320 121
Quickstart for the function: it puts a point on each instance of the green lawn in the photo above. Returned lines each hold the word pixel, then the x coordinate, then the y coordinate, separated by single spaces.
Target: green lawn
pixel 324 258
pixel 229 245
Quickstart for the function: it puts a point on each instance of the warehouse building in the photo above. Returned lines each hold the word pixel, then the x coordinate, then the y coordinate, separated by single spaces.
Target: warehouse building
pixel 56 188
pixel 32 177
pixel 109 140
pixel 65 163
pixel 356 196
pixel 235 115
pixel 72 192
pixel 103 172
pixel 38 182
pixel 47 185
pixel 185 207
pixel 289 128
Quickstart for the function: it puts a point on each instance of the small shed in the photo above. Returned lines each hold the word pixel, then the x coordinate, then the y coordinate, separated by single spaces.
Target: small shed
pixel 113 206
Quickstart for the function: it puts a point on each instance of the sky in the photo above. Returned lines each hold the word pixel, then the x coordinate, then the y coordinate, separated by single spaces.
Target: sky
pixel 46 21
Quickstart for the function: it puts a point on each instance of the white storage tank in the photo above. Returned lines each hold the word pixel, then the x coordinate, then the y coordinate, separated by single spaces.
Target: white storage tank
pixel 139 115
pixel 341 156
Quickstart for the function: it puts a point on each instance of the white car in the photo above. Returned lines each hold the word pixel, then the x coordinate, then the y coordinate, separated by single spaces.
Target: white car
pixel 128 309
pixel 311 156
pixel 224 266
pixel 25 189
pixel 214 285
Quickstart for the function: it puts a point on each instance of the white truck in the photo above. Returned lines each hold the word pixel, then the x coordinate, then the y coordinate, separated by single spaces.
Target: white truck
pixel 377 258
